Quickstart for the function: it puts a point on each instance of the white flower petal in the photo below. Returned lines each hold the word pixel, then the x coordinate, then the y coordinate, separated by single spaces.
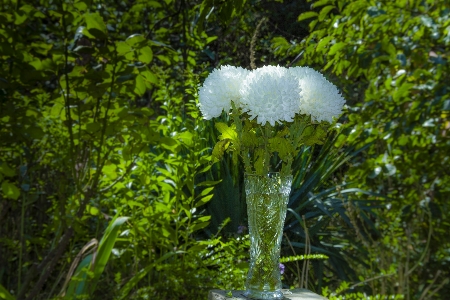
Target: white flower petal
pixel 219 89
pixel 271 94
pixel 318 97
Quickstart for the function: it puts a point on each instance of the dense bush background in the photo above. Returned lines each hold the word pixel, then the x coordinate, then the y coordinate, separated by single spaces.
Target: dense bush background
pixel 98 121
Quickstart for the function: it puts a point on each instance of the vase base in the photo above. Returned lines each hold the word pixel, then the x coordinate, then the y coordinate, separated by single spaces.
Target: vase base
pixel 263 295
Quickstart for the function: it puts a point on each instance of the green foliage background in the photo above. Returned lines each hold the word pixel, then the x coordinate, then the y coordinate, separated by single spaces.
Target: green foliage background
pixel 98 120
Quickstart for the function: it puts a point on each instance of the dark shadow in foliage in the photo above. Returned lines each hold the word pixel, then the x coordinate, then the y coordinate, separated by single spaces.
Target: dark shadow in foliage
pixel 227 201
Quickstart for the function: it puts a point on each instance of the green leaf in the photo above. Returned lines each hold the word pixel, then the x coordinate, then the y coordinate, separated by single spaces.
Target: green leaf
pixel 169 143
pixel 84 50
pixel 324 12
pixel 95 25
pixel 4 294
pixel 205 192
pixel 307 15
pixel 145 55
pixel 321 3
pixel 6 170
pixel 104 251
pixel 203 201
pixel 94 211
pixel 20 19
pixel 10 190
pixel 135 39
pixel 220 148
pixel 323 43
pixel 186 138
pixel 282 146
pixel 139 87
pixel 132 204
pixel 336 47
pixel 227 132
pixel 149 76
pixel 123 48
pixel 80 6
pixel 402 91
pixel 200 223
pixel 209 183
pixel 110 171
pixel 249 138
pixel 27 8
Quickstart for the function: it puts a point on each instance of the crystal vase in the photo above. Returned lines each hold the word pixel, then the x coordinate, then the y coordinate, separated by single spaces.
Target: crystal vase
pixel 267 197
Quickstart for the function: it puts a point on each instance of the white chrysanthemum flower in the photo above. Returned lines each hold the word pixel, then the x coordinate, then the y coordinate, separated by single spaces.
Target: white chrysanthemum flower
pixel 219 88
pixel 318 97
pixel 270 94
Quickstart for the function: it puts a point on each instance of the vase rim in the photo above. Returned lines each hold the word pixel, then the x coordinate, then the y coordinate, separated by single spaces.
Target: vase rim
pixel 266 174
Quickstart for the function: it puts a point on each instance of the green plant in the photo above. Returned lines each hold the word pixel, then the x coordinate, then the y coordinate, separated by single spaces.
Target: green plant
pixel 84 280
pixel 391 59
pixel 78 123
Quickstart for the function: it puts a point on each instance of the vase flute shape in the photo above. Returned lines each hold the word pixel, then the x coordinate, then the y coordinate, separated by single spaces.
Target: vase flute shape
pixel 267 198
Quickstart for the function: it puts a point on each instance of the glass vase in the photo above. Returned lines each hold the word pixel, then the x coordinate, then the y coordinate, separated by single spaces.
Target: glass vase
pixel 267 198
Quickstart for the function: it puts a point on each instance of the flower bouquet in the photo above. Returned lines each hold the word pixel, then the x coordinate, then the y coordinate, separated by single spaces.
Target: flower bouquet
pixel 274 111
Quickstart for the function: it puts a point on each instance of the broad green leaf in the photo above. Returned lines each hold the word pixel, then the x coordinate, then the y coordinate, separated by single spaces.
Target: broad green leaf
pixel 164 59
pixel 324 12
pixel 139 87
pixel 123 47
pixel 186 138
pixel 323 43
pixel 145 54
pixel 94 211
pixel 110 171
pixel 9 190
pixel 6 170
pixel 27 8
pixel 20 19
pixel 135 40
pixel 95 25
pixel 149 76
pixel 336 47
pixel 169 143
pixel 93 127
pixel 307 15
pixel 104 250
pixel 4 294
pixel 321 3
pixel 81 6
